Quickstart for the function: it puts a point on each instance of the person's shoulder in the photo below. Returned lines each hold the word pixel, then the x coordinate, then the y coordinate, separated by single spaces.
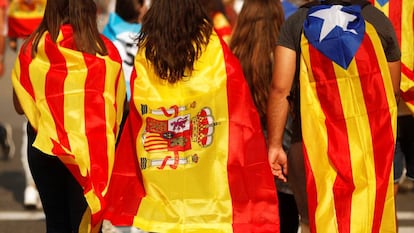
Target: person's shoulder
pixel 295 21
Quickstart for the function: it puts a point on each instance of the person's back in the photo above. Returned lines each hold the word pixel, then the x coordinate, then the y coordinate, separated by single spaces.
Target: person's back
pixel 347 112
pixel 195 130
pixel 68 82
pixel 346 90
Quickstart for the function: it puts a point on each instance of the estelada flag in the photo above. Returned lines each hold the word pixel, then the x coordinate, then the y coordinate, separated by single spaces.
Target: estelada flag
pixel 348 113
pixel 401 14
pixel 24 17
pixel 74 101
pixel 200 149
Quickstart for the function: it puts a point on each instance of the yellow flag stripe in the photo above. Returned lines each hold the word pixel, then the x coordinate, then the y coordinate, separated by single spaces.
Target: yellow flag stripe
pixel 359 136
pixel 360 143
pixel 325 211
pixel 47 121
pixel 162 208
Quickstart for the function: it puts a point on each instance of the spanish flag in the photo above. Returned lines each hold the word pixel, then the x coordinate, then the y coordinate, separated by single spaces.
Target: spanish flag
pixel 24 17
pixel 401 14
pixel 200 150
pixel 348 113
pixel 222 26
pixel 75 102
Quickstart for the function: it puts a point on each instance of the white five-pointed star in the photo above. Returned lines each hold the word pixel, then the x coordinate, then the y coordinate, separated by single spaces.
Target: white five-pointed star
pixel 333 17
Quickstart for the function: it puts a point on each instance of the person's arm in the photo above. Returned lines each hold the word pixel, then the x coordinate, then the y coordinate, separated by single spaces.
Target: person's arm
pixel 278 108
pixel 395 71
pixel 16 104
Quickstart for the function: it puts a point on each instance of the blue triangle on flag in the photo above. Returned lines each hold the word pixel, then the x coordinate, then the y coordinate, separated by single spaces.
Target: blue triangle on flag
pixel 383 2
pixel 325 29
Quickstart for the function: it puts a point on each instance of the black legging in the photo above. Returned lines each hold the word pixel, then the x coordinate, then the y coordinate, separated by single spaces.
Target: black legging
pixel 61 195
pixel 288 213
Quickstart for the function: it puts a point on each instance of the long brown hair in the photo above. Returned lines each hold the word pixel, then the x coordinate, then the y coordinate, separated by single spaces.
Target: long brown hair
pixel 253 41
pixel 81 15
pixel 174 33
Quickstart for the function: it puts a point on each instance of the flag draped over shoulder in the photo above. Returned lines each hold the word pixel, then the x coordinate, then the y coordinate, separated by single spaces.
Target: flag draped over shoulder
pixel 401 14
pixel 24 17
pixel 348 113
pixel 222 26
pixel 201 153
pixel 74 101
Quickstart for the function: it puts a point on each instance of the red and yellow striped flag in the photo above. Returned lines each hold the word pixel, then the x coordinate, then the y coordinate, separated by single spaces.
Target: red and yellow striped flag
pixel 24 17
pixel 348 114
pixel 401 14
pixel 75 102
pixel 201 151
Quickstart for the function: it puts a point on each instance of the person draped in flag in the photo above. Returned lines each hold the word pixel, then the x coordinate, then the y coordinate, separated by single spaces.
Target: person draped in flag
pixel 24 16
pixel 340 63
pixel 254 35
pixel 401 13
pixel 68 82
pixel 198 150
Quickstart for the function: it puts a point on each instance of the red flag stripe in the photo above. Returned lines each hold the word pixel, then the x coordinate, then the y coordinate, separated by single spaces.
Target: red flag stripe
pixel 96 136
pixel 311 188
pixel 394 14
pixel 54 87
pixel 24 73
pixel 406 71
pixel 22 27
pixel 407 95
pixel 338 143
pixel 380 123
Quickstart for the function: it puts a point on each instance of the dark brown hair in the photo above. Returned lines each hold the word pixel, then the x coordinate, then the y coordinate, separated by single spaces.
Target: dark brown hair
pixel 174 33
pixel 81 15
pixel 129 10
pixel 253 42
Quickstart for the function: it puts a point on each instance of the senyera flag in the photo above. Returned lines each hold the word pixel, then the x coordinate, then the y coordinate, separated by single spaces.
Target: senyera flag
pixel 74 101
pixel 348 113
pixel 199 152
pixel 24 17
pixel 401 14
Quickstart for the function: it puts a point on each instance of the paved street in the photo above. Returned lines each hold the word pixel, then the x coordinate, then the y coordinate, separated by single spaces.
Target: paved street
pixel 15 219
